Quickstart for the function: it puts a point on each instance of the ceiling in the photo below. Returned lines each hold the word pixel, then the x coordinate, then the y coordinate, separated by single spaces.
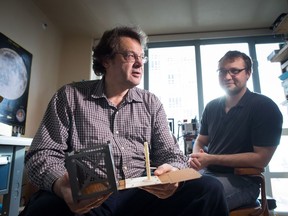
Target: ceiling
pixel 158 17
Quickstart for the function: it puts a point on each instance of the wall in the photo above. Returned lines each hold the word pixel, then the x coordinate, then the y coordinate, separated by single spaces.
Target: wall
pixel 75 59
pixel 57 58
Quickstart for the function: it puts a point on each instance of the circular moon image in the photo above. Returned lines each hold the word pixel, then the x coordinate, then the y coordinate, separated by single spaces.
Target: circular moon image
pixel 13 74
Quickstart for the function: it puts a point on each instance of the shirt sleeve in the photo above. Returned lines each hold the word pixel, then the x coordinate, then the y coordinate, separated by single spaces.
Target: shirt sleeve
pixel 45 158
pixel 266 124
pixel 203 123
pixel 165 148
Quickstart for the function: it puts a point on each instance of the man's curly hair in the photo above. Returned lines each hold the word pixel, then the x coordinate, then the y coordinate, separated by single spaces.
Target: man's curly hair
pixel 109 45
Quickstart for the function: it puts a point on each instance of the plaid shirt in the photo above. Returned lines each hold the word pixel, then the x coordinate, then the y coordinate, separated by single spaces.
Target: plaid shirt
pixel 79 116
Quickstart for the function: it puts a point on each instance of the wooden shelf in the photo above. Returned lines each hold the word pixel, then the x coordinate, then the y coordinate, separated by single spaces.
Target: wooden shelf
pixel 282 28
pixel 281 56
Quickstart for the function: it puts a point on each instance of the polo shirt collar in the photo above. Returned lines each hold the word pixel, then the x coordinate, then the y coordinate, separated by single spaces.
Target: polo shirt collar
pixel 242 101
pixel 244 98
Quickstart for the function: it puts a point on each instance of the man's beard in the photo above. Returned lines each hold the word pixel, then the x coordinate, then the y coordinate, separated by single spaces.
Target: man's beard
pixel 234 91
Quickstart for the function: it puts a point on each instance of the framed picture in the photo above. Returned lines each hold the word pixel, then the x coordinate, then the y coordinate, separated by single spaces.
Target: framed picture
pixel 15 72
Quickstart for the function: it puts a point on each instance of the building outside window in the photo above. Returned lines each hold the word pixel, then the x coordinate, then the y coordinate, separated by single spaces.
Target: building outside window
pixel 172 77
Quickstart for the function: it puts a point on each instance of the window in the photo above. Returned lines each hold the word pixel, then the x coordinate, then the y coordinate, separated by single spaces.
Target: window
pixel 172 77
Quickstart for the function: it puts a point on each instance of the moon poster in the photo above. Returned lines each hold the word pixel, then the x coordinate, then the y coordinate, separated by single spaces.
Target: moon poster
pixel 15 70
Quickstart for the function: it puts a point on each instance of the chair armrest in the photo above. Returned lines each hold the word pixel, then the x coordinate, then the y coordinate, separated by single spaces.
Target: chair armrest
pixel 248 171
pixel 257 173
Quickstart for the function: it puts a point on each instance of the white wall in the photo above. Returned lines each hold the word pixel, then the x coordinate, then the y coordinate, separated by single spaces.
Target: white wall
pixel 57 59
pixel 76 59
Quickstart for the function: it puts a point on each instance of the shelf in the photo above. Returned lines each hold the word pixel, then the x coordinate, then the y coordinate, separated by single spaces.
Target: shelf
pixel 284 65
pixel 281 56
pixel 282 28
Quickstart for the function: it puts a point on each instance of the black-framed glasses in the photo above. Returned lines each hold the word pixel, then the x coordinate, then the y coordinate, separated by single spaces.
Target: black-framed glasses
pixel 132 57
pixel 231 71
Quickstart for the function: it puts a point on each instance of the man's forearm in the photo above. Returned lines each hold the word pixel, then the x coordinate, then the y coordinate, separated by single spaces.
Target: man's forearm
pixel 198 146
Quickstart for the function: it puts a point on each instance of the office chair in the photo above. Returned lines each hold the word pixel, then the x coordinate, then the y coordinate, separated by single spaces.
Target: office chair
pixel 260 208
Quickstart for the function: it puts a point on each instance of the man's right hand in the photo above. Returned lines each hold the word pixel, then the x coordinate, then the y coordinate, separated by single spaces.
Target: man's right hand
pixel 62 189
pixel 196 160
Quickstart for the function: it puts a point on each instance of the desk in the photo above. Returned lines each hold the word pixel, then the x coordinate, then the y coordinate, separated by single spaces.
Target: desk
pixel 12 149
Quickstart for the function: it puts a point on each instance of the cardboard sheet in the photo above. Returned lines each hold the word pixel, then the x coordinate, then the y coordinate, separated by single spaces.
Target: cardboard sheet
pixel 171 177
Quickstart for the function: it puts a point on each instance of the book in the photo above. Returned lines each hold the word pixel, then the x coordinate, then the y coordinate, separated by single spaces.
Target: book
pixel 284 76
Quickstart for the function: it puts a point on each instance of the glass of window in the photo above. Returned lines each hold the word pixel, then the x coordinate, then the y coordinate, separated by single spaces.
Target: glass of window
pixel 172 77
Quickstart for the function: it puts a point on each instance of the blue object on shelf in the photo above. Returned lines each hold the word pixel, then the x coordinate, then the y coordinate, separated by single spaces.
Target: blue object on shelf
pixel 283 76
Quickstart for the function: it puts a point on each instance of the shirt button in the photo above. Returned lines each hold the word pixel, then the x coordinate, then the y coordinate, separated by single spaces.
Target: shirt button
pixel 122 148
pixel 117 132
pixel 125 167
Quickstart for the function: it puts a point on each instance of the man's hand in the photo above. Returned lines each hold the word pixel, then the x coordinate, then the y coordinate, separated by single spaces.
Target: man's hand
pixel 198 160
pixel 62 188
pixel 162 191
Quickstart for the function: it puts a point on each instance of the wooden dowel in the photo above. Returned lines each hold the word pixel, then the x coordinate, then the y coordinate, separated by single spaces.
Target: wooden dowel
pixel 147 160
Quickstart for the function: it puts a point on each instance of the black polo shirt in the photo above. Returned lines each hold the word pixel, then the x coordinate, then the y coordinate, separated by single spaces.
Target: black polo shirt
pixel 255 121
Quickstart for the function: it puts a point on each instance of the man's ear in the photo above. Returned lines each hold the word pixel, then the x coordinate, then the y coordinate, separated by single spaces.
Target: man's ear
pixel 248 74
pixel 105 63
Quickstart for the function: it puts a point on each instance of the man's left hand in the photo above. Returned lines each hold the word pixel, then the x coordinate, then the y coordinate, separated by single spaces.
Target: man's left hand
pixel 162 191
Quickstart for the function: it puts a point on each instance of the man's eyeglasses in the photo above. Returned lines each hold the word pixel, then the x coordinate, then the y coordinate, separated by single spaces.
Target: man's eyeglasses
pixel 231 71
pixel 132 57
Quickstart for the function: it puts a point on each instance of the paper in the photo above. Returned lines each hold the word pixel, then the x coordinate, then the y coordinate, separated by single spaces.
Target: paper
pixel 4 160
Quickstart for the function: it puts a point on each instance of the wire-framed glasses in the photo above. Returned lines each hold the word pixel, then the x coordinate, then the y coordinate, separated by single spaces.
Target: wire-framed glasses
pixel 231 71
pixel 132 57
